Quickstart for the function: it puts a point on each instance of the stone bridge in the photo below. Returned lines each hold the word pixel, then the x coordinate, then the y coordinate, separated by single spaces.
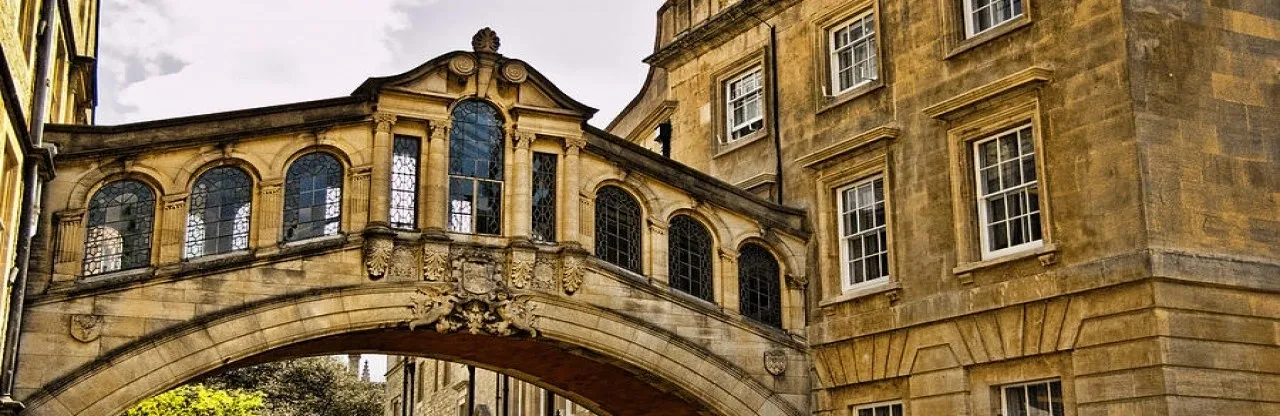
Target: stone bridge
pixel 463 210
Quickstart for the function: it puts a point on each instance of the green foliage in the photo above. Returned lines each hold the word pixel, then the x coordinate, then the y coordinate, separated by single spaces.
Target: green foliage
pixel 315 386
pixel 199 400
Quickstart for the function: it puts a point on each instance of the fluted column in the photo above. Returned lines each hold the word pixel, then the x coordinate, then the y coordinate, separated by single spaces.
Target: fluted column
pixel 437 176
pixel 380 181
pixel 69 246
pixel 728 283
pixel 356 212
pixel 572 192
pixel 172 226
pixel 271 209
pixel 522 188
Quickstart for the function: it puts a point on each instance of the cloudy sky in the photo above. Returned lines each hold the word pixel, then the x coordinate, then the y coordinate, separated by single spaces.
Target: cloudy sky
pixel 162 59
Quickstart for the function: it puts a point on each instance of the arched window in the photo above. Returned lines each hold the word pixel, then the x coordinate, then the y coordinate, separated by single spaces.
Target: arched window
pixel 618 228
pixel 312 197
pixel 118 232
pixel 475 169
pixel 759 285
pixel 218 220
pixel 689 257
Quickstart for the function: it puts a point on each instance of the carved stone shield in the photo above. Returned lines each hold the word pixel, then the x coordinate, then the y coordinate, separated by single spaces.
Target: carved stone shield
pixel 775 362
pixel 86 328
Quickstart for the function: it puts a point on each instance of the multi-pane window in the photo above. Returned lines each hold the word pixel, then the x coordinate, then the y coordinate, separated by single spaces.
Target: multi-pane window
pixel 312 197
pixel 618 228
pixel 1043 398
pixel 864 252
pixel 544 197
pixel 882 409
pixel 853 53
pixel 404 182
pixel 744 105
pixel 759 285
pixel 980 15
pixel 218 220
pixel 475 169
pixel 118 233
pixel 689 257
pixel 1008 192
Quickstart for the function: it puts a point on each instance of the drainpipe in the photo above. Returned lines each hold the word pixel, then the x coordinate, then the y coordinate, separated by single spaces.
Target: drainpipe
pixel 30 196
pixel 774 125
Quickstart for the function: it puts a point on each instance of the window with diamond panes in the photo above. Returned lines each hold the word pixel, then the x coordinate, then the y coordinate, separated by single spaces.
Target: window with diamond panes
pixel 618 228
pixel 1043 398
pixel 689 257
pixel 1008 192
pixel 744 105
pixel 759 285
pixel 218 219
pixel 404 182
pixel 475 169
pixel 119 227
pixel 886 409
pixel 544 197
pixel 853 53
pixel 864 251
pixel 312 197
pixel 981 15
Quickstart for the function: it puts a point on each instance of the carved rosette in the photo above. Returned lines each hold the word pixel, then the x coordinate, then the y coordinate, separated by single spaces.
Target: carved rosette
pixel 515 72
pixel 435 262
pixel 478 303
pixel 485 40
pixel 571 273
pixel 775 362
pixel 377 256
pixel 462 65
pixel 86 328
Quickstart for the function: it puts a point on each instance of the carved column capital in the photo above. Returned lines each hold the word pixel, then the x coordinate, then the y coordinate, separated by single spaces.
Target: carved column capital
pixel 727 255
pixel 657 227
pixel 438 130
pixel 573 145
pixel 70 216
pixel 523 139
pixel 383 121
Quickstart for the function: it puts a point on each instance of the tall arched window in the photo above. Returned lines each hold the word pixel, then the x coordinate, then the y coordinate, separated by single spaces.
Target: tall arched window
pixel 759 285
pixel 218 220
pixel 118 231
pixel 312 197
pixel 689 257
pixel 475 169
pixel 618 228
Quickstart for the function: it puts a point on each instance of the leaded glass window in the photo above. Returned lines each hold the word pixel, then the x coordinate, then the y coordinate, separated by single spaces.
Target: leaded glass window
pixel 404 182
pixel 618 228
pixel 1008 192
pixel 759 285
pixel 312 197
pixel 689 257
pixel 475 169
pixel 218 220
pixel 544 197
pixel 119 227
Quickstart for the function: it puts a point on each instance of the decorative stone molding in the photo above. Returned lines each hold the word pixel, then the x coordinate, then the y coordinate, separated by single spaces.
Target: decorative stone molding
pixel 404 264
pixel 523 139
pixel 86 328
pixel 575 144
pixel 796 282
pixel 1029 76
pixel 69 244
pixel 486 40
pixel 515 72
pixel 544 274
pixel 775 362
pixel 521 267
pixel 462 65
pixel 383 121
pixel 377 256
pixel 571 273
pixel 478 303
pixel 435 262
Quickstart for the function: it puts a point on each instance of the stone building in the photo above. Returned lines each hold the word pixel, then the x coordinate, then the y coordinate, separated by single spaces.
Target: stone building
pixel 1021 207
pixel 427 387
pixel 46 76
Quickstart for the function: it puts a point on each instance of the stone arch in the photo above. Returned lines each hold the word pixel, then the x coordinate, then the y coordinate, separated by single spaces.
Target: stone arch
pixel 508 119
pixel 646 218
pixel 89 183
pixel 149 366
pixel 720 231
pixel 186 176
pixel 792 296
pixel 639 191
pixel 293 149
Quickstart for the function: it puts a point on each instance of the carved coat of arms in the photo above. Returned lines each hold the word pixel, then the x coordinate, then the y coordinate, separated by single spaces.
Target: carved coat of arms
pixel 477 302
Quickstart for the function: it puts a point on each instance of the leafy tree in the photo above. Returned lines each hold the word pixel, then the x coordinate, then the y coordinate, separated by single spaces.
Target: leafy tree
pixel 315 386
pixel 199 400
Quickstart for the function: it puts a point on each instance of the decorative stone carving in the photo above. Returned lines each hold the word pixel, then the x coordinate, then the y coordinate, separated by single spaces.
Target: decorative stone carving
pixel 571 273
pixel 478 303
pixel 515 72
pixel 86 328
pixel 544 274
pixel 775 362
pixel 435 262
pixel 383 121
pixel 377 256
pixel 462 65
pixel 797 282
pixel 523 140
pixel 485 40
pixel 404 264
pixel 575 143
pixel 521 268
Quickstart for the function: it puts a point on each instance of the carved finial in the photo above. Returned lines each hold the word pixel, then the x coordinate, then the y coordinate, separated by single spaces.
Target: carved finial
pixel 486 40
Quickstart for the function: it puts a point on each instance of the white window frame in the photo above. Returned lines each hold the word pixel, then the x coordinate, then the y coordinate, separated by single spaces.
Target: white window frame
pixel 981 197
pixel 1004 391
pixel 855 409
pixel 846 281
pixel 732 126
pixel 970 28
pixel 873 53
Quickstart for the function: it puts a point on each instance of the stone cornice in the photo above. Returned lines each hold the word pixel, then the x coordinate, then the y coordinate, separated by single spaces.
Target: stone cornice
pixel 729 22
pixel 1032 75
pixel 848 145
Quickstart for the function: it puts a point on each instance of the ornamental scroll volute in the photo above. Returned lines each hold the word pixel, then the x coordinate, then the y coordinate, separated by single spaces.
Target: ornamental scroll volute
pixel 476 301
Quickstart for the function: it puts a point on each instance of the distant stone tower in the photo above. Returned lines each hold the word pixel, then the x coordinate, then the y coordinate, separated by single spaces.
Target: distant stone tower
pixel 353 364
pixel 364 375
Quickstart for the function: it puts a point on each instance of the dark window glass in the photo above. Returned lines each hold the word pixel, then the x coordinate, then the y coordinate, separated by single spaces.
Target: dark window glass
pixel 618 228
pixel 544 197
pixel 312 197
pixel 118 233
pixel 404 182
pixel 663 139
pixel 689 257
pixel 475 169
pixel 218 220
pixel 759 287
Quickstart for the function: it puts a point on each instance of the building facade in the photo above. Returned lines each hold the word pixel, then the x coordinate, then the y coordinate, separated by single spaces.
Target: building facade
pixel 1021 207
pixel 426 387
pixel 47 75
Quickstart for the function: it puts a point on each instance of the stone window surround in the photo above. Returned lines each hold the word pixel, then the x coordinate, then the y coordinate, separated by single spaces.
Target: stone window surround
pixel 956 38
pixel 986 382
pixel 719 101
pixel 853 410
pixel 981 201
pixel 825 96
pixel 845 284
pixel 1003 406
pixel 737 95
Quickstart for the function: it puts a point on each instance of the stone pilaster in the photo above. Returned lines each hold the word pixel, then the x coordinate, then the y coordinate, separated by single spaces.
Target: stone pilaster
pixel 271 215
pixel 380 181
pixel 172 227
pixel 437 176
pixel 572 222
pixel 69 246
pixel 728 284
pixel 521 193
pixel 657 256
pixel 356 211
